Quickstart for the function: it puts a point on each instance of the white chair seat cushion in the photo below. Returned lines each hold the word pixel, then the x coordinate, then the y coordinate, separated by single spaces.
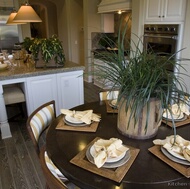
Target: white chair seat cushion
pixel 13 95
pixel 41 120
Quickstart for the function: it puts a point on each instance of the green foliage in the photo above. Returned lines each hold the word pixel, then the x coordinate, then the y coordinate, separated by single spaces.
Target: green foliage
pixel 49 48
pixel 27 43
pixel 142 76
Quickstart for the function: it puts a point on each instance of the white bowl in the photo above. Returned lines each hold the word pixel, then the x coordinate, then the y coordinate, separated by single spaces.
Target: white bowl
pixel 10 57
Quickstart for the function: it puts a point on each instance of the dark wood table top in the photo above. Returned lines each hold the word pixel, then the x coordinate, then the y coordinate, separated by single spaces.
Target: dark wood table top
pixel 147 171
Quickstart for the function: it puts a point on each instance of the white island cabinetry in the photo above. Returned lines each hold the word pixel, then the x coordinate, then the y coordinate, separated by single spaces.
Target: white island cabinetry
pixel 70 89
pixel 40 89
pixel 64 85
pixel 65 88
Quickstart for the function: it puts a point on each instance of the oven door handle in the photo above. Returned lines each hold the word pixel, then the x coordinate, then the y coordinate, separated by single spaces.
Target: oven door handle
pixel 162 36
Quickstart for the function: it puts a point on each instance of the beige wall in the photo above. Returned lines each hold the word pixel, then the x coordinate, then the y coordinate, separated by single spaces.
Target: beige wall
pixel 137 21
pixel 70 29
pixel 63 29
pixel 92 22
pixel 76 31
pixel 47 11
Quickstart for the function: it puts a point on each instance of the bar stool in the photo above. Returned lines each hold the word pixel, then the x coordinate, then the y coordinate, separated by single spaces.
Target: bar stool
pixel 13 94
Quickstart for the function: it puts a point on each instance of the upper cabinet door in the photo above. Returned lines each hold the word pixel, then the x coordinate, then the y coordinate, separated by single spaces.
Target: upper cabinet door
pixel 153 10
pixel 165 10
pixel 174 10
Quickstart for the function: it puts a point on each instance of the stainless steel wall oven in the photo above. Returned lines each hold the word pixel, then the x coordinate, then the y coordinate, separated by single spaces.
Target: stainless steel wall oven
pixel 161 38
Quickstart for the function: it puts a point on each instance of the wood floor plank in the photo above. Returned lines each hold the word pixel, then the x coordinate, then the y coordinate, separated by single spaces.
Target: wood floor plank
pixel 2 144
pixel 35 163
pixel 6 180
pixel 27 163
pixel 32 153
pixel 15 164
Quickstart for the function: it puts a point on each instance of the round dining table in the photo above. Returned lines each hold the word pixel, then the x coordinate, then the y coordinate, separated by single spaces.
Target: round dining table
pixel 146 172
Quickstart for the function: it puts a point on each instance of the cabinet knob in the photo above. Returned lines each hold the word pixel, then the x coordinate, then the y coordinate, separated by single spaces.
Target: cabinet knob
pixel 163 16
pixel 159 16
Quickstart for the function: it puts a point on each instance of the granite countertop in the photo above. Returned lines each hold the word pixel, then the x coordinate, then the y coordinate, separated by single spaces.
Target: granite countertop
pixel 28 70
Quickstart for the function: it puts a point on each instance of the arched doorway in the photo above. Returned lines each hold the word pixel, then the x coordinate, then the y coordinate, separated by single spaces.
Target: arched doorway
pixel 47 11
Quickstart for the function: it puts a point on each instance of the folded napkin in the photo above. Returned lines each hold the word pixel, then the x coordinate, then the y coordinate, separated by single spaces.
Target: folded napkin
pixel 86 116
pixel 178 145
pixel 177 111
pixel 105 149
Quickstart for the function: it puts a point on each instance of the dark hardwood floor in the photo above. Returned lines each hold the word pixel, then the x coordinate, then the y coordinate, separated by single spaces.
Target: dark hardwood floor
pixel 19 164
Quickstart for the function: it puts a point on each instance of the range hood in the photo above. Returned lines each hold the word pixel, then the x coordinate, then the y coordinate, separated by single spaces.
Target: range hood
pixel 107 6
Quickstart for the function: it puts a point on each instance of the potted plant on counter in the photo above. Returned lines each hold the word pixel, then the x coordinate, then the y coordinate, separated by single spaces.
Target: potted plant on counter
pixel 48 52
pixel 146 87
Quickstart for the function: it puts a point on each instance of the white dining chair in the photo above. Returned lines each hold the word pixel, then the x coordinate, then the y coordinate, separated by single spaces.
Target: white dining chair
pixel 108 95
pixel 37 123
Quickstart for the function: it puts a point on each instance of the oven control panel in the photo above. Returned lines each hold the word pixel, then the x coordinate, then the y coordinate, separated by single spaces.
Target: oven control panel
pixel 161 29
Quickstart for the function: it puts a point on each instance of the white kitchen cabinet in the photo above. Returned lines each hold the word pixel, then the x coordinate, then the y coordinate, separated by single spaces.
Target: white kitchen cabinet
pixel 65 88
pixel 107 23
pixel 165 10
pixel 39 90
pixel 70 89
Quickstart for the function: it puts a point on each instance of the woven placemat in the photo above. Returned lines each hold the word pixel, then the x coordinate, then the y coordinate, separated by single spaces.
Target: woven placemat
pixel 89 128
pixel 109 109
pixel 115 174
pixel 178 123
pixel 183 169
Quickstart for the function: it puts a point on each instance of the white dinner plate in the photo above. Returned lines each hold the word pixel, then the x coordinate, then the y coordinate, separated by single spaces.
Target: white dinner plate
pixel 75 123
pixel 168 117
pixel 179 156
pixel 109 159
pixel 173 158
pixel 110 165
pixel 73 120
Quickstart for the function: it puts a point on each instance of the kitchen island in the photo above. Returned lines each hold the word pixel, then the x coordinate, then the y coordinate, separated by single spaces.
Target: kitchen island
pixel 40 85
